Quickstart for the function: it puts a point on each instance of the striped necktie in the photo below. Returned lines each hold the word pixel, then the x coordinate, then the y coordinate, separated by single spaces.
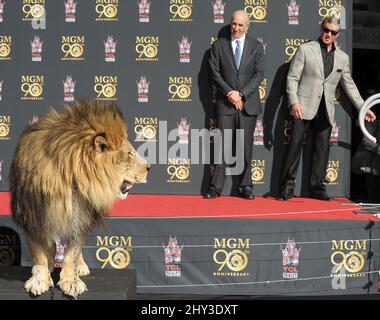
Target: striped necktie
pixel 237 54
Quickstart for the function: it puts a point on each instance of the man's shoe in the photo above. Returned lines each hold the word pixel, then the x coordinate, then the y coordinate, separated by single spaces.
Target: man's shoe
pixel 285 195
pixel 212 194
pixel 320 195
pixel 246 193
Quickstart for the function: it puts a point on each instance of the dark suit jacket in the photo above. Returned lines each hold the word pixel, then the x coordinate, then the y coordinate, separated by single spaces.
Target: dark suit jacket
pixel 247 79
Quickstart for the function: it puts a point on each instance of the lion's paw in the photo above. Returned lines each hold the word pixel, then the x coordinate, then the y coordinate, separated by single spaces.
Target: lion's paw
pixel 72 288
pixel 83 269
pixel 40 282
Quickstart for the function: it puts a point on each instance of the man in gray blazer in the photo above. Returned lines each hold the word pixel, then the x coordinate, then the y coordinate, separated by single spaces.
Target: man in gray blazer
pixel 315 72
pixel 237 69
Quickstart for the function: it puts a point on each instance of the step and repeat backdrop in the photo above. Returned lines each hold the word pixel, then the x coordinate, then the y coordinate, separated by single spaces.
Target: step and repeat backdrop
pixel 228 256
pixel 151 57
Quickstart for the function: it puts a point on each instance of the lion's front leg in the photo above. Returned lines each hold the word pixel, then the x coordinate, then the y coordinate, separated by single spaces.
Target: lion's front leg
pixel 83 269
pixel 69 282
pixel 41 280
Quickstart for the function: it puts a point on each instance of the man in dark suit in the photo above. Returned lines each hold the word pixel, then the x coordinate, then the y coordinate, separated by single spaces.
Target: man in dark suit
pixel 237 69
pixel 315 72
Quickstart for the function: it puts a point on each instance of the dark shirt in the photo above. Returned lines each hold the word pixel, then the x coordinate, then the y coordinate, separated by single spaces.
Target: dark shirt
pixel 327 58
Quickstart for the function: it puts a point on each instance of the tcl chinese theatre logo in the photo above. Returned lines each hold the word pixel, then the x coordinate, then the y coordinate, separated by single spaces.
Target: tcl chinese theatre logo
pixel 231 257
pixel 147 48
pixel 218 11
pixel 114 251
pixel 173 256
pixel 257 10
pixel 290 259
pixel 2 10
pixel 258 134
pixel 144 10
pixel 32 87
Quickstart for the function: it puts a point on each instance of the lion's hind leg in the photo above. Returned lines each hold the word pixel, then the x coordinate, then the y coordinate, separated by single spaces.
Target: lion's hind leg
pixel 41 280
pixel 69 282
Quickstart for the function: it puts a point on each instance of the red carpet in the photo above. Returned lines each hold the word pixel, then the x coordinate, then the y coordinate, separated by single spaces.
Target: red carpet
pixel 176 206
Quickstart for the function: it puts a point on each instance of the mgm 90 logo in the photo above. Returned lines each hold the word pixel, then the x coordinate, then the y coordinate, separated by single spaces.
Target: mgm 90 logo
pixel 181 10
pixel 178 170
pixel 348 256
pixel 263 90
pixel 105 87
pixel 331 8
pixel 118 256
pixel 33 9
pixel 5 47
pixel 32 87
pixel 258 171
pixel 146 129
pixel 231 254
pixel 256 10
pixel 72 47
pixel 291 46
pixel 332 172
pixel 106 10
pixel 180 89
pixel 147 48
pixel 5 124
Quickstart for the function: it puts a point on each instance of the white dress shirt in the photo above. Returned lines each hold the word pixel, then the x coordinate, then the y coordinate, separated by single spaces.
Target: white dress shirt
pixel 233 42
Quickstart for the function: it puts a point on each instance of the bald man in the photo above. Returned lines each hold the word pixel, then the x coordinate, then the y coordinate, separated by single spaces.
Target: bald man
pixel 237 69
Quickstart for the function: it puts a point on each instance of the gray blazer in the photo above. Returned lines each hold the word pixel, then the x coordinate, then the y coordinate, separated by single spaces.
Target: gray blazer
pixel 306 81
pixel 226 77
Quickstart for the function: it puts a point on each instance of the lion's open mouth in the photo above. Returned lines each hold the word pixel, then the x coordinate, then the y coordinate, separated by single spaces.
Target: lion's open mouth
pixel 126 186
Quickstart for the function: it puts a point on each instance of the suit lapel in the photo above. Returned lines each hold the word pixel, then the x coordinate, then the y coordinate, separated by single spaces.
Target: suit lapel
pixel 336 57
pixel 318 55
pixel 245 52
pixel 230 54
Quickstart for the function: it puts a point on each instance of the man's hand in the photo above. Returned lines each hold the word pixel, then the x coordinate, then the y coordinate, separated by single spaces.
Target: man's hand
pixel 235 98
pixel 297 111
pixel 240 105
pixel 370 116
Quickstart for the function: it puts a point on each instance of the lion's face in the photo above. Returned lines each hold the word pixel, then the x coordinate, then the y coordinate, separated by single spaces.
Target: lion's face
pixel 135 169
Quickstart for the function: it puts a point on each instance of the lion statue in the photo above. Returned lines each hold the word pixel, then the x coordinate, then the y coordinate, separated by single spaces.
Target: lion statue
pixel 67 171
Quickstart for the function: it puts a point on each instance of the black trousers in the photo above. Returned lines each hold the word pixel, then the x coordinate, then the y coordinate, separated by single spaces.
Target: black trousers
pixel 373 188
pixel 320 129
pixel 238 120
